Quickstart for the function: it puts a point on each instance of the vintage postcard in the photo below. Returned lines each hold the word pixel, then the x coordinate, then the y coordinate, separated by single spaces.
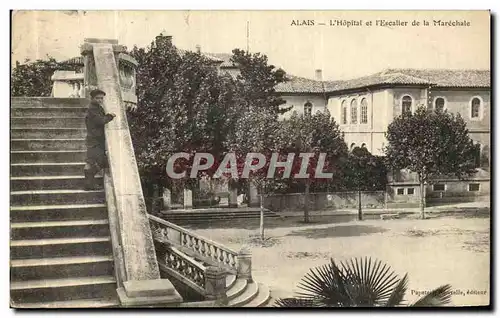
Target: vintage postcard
pixel 250 159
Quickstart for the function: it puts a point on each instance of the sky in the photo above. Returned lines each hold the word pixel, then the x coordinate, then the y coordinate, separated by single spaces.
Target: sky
pixel 341 52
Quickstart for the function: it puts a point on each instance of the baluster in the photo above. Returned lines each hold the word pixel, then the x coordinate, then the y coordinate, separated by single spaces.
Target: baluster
pixel 233 261
pixel 196 244
pixel 190 242
pixel 203 244
pixel 221 258
pixel 184 239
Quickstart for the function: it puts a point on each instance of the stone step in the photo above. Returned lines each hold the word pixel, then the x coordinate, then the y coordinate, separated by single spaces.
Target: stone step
pixel 47 144
pixel 45 213
pixel 59 229
pixel 47 122
pixel 48 156
pixel 47 133
pixel 262 298
pixel 63 289
pixel 73 304
pixel 61 247
pixel 54 197
pixel 50 183
pixel 247 296
pixel 60 267
pixel 48 102
pixel 49 111
pixel 238 288
pixel 47 169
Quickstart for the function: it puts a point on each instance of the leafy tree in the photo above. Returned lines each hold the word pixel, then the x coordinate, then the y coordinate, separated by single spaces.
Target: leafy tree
pixel 318 133
pixel 364 172
pixel 430 144
pixel 256 131
pixel 34 78
pixel 257 81
pixel 184 106
pixel 359 283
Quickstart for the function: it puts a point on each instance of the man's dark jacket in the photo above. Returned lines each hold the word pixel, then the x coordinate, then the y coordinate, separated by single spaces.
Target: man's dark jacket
pixel 95 120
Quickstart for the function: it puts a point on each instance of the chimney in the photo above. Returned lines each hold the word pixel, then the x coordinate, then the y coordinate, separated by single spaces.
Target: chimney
pixel 198 48
pixel 319 75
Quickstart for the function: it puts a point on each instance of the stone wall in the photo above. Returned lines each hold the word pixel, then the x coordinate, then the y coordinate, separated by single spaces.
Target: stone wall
pixel 324 201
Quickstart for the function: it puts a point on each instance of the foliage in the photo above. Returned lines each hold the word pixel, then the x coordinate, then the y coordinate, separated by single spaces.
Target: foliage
pixel 33 78
pixel 431 144
pixel 364 171
pixel 358 283
pixel 257 81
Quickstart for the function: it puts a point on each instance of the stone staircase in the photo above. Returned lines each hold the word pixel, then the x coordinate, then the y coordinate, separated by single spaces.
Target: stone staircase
pixel 61 251
pixel 240 292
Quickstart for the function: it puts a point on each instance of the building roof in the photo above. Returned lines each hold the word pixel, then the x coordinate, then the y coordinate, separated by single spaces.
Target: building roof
pixel 434 77
pixel 225 58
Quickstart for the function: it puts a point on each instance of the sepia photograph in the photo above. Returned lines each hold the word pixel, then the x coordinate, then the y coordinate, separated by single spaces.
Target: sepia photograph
pixel 218 159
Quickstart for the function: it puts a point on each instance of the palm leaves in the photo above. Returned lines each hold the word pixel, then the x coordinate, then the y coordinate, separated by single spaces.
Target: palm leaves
pixel 358 283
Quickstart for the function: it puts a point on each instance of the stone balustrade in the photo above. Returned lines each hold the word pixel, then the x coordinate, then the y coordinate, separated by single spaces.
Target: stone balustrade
pixel 68 84
pixel 238 263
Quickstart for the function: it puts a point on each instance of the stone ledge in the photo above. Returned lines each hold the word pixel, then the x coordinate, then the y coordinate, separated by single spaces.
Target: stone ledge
pixel 389 216
pixel 151 301
pixel 149 288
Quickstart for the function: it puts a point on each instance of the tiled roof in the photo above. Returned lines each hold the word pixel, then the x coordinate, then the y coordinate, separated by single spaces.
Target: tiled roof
pixel 434 77
pixel 224 57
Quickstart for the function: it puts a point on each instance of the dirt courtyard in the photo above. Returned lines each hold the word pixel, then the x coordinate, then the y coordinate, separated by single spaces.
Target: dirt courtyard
pixel 442 250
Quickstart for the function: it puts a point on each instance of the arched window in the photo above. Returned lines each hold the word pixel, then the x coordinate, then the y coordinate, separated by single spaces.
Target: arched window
pixel 352 146
pixel 308 107
pixel 363 145
pixel 364 111
pixel 475 107
pixel 354 112
pixel 406 104
pixel 344 112
pixel 439 104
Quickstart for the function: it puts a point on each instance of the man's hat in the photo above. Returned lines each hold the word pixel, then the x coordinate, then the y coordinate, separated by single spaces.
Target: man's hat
pixel 96 92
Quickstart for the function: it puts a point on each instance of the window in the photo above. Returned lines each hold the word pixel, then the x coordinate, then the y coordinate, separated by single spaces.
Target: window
pixel 439 104
pixel 363 145
pixel 354 112
pixel 474 187
pixel 344 112
pixel 353 145
pixel 475 107
pixel 364 111
pixel 308 108
pixel 406 104
pixel 400 191
pixel 438 187
pixel 411 191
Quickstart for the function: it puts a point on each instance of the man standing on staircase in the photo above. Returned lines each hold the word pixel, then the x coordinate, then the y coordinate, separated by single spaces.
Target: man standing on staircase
pixel 96 146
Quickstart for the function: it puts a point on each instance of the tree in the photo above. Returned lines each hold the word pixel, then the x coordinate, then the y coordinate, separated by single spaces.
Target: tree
pixel 257 81
pixel 316 134
pixel 33 78
pixel 359 283
pixel 256 131
pixel 430 144
pixel 184 106
pixel 364 172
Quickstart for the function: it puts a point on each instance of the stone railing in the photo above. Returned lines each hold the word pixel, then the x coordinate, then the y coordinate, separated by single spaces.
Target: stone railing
pixel 204 249
pixel 181 267
pixel 68 84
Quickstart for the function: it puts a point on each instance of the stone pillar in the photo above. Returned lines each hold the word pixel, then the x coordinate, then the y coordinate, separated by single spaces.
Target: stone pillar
pixel 253 195
pixel 245 264
pixel 167 198
pixel 142 284
pixel 233 194
pixel 215 284
pixel 188 199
